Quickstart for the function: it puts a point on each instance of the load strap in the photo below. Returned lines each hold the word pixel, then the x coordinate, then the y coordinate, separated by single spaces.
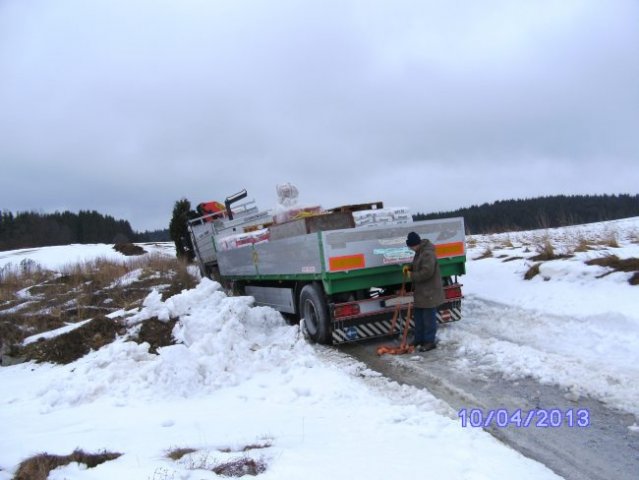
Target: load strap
pixel 403 347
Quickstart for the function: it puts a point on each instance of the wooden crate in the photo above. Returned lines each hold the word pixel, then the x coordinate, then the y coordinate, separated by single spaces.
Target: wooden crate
pixel 315 223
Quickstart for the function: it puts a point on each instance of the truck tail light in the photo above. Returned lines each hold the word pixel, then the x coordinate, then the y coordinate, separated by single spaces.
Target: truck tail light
pixel 453 292
pixel 348 310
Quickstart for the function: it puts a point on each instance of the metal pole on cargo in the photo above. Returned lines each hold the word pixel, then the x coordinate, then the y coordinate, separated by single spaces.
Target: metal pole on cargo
pixel 232 199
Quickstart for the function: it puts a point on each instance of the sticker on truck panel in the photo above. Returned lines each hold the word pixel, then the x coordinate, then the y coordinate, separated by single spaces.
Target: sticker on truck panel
pixel 395 255
pixel 347 262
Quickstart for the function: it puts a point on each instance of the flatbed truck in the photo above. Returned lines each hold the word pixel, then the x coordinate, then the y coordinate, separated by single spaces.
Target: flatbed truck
pixel 344 281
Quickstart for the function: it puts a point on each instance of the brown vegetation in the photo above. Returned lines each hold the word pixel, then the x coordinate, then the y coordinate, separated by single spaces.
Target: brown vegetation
pixel 88 290
pixel 39 466
pixel 616 264
pixel 129 249
pixel 177 453
pixel 239 467
pixel 487 253
pixel 72 345
pixel 156 333
pixel 532 272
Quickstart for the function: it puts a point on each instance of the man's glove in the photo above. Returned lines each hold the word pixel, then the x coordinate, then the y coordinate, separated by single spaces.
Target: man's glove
pixel 406 269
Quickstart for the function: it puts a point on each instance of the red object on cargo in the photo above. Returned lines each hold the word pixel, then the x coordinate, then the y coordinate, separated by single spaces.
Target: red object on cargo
pixel 212 208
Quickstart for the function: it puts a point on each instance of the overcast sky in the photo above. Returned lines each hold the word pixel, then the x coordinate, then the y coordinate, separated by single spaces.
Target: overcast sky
pixel 125 106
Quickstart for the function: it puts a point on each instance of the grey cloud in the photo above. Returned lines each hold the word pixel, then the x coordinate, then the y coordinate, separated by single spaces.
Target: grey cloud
pixel 132 105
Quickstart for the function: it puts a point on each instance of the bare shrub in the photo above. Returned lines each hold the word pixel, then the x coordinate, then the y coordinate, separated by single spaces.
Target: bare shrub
pixel 39 466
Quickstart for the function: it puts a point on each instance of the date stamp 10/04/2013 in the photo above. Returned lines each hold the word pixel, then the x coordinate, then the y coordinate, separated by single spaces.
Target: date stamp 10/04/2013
pixel 538 418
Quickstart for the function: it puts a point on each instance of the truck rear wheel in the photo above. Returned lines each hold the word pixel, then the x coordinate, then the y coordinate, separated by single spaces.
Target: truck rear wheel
pixel 314 311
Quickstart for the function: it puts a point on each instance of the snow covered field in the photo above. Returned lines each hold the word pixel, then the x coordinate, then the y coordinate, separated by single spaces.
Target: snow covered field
pixel 243 383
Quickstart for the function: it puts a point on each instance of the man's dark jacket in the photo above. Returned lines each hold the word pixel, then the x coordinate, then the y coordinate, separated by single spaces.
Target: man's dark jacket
pixel 426 277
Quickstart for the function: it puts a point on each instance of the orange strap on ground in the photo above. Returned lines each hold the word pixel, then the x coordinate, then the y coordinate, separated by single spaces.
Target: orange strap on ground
pixel 403 346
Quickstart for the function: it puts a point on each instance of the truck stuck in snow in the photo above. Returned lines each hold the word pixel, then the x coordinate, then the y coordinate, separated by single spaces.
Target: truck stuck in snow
pixel 340 270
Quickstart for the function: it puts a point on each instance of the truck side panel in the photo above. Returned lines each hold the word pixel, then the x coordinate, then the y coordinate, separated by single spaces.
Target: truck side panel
pixel 378 246
pixel 237 262
pixel 287 256
pixel 290 256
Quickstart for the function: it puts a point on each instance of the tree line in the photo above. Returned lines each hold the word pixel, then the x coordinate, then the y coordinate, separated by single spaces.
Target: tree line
pixel 542 212
pixel 34 229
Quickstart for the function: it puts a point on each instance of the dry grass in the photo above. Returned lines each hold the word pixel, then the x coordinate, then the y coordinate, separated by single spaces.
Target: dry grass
pixel 583 245
pixel 39 466
pixel 87 290
pixel 487 253
pixel 73 345
pixel 510 259
pixel 176 454
pixel 247 448
pixel 14 278
pixel 610 239
pixel 545 251
pixel 532 272
pixel 616 264
pixel 507 243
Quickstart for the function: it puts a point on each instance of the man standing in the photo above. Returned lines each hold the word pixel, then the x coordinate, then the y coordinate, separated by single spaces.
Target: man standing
pixel 428 291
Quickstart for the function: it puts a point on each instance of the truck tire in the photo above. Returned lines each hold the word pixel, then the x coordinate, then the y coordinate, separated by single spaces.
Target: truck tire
pixel 314 311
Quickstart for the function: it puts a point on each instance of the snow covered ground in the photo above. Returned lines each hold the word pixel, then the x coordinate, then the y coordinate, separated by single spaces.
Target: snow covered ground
pixel 573 325
pixel 241 377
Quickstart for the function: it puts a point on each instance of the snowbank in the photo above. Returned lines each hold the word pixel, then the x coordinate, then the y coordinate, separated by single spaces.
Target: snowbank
pixel 240 376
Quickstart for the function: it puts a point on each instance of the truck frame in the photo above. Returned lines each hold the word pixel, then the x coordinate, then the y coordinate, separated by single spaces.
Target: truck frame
pixel 345 283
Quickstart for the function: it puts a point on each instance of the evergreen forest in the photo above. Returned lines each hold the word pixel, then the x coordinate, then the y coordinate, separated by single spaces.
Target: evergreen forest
pixel 34 229
pixel 542 212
